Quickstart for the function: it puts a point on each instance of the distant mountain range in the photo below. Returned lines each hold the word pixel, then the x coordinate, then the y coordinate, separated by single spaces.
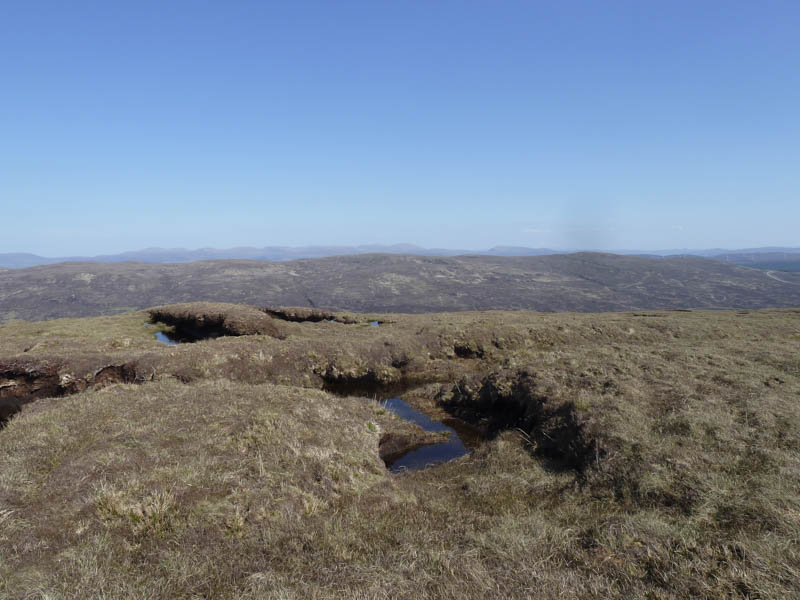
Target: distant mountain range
pixel 777 258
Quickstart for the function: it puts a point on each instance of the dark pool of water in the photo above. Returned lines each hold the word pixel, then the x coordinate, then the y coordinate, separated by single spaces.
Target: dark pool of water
pixel 462 439
pixel 164 338
pixel 374 323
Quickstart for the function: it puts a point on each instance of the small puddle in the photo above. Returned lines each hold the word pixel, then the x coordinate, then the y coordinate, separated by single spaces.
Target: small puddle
pixel 375 323
pixel 165 339
pixel 462 439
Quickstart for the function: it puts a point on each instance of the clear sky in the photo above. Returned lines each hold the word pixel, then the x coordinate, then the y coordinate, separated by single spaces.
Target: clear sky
pixel 563 124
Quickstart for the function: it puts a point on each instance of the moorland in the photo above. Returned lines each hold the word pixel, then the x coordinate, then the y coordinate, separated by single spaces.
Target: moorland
pixel 642 454
pixel 581 282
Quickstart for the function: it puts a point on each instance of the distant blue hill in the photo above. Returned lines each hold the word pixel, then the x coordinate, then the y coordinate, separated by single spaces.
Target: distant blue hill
pixel 270 253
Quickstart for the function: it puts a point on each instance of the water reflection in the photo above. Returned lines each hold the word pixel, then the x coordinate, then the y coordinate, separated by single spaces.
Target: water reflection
pixel 461 440
pixel 165 339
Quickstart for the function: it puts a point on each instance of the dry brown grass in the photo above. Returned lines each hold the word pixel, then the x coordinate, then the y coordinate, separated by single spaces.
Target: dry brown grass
pixel 212 481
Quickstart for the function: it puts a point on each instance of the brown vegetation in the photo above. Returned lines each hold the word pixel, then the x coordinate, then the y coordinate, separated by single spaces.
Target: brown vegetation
pixel 630 455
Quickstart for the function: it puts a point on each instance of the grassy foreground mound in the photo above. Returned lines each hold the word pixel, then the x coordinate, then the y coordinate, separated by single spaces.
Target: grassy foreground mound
pixel 641 455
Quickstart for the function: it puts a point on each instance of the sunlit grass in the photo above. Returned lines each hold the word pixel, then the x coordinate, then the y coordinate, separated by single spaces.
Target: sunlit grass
pixel 209 479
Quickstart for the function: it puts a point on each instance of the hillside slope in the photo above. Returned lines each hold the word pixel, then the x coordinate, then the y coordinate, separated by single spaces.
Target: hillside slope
pixel 582 282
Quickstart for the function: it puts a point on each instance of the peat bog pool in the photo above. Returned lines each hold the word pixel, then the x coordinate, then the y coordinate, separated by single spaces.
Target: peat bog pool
pixel 462 439
pixel 164 338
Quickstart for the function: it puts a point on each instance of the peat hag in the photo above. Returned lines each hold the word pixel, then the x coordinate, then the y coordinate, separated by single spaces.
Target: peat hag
pixel 189 330
pixel 368 385
pixel 22 382
pixel 517 400
pixel 196 321
pixel 306 315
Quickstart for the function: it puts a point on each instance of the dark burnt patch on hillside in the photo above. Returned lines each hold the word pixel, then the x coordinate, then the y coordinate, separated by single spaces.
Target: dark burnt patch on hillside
pixel 196 321
pixel 502 401
pixel 300 314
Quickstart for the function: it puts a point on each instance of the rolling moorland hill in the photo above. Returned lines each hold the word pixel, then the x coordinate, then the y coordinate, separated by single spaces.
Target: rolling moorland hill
pixel 653 454
pixel 779 258
pixel 582 282
pixel 778 261
pixel 20 260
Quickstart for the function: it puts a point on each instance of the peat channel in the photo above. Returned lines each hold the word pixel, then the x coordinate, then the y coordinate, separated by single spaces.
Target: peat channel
pixel 462 439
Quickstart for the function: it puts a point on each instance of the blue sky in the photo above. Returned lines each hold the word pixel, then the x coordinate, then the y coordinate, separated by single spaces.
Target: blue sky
pixel 563 124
